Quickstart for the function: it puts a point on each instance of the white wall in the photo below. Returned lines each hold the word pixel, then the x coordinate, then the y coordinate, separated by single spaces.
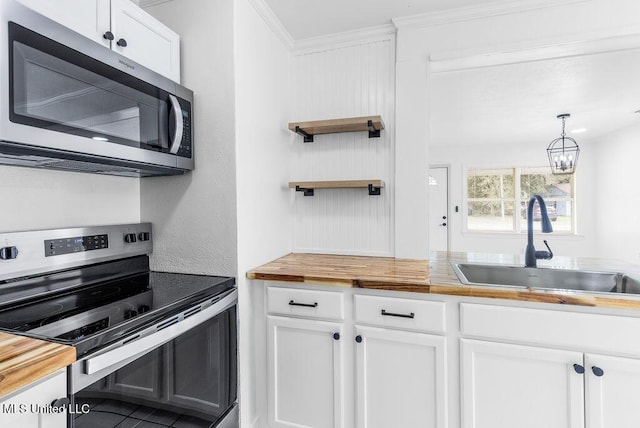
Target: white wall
pixel 194 215
pixel 43 199
pixel 473 35
pixel 618 207
pixel 460 158
pixel 263 149
pixel 345 81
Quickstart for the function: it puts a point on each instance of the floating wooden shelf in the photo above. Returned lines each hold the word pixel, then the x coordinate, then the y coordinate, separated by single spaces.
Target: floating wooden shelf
pixel 373 124
pixel 307 187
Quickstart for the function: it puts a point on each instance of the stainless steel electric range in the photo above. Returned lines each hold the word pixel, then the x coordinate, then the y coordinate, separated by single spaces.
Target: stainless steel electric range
pixel 153 348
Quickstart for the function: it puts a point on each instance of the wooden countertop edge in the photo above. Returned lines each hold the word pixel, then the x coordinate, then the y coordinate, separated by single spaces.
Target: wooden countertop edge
pixel 34 364
pixel 457 290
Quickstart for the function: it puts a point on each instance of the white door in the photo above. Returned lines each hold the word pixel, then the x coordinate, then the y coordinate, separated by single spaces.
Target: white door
pixel 146 40
pixel 305 373
pixel 400 379
pixel 91 18
pixel 508 386
pixel 439 209
pixel 612 391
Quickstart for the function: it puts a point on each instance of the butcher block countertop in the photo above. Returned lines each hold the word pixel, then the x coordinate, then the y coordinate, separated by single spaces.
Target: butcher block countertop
pixel 24 360
pixel 436 276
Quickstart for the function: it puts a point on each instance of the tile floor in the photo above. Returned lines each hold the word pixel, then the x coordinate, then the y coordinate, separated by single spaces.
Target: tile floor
pixel 117 414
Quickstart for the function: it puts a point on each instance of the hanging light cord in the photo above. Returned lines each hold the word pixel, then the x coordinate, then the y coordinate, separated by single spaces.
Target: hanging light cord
pixel 563 134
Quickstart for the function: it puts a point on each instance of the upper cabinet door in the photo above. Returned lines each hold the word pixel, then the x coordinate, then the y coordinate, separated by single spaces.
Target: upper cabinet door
pixel 144 39
pixel 613 388
pixel 507 386
pixel 91 18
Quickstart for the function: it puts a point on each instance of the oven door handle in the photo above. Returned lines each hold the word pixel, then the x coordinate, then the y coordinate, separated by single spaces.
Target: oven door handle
pixel 139 347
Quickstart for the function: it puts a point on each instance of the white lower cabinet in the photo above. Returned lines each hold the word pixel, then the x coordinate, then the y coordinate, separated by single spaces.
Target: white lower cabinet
pixel 400 379
pixel 612 391
pixel 28 407
pixel 305 373
pixel 507 386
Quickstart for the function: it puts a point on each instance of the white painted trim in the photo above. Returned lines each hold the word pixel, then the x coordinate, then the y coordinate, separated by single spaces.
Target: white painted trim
pixel 273 22
pixel 594 44
pixel 347 38
pixel 468 13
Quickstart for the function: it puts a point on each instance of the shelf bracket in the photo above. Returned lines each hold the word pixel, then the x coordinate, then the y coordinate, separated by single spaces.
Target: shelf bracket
pixel 374 191
pixel 373 132
pixel 308 138
pixel 307 192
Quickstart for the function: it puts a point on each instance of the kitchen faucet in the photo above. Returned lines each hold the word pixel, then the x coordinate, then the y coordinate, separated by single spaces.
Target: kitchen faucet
pixel 531 255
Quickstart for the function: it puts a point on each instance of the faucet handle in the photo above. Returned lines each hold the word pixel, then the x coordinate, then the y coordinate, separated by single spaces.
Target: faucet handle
pixel 546 255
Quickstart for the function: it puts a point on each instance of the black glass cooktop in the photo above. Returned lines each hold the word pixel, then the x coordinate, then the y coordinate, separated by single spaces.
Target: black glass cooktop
pixel 95 305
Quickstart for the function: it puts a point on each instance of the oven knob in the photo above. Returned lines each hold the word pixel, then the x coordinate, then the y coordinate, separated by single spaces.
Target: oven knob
pixel 130 238
pixel 60 402
pixel 8 253
pixel 130 314
pixel 143 308
pixel 143 236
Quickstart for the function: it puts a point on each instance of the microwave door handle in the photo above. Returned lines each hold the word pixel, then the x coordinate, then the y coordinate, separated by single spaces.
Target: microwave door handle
pixel 178 124
pixel 145 344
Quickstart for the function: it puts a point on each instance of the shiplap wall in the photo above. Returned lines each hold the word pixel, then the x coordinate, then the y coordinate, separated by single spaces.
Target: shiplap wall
pixel 349 81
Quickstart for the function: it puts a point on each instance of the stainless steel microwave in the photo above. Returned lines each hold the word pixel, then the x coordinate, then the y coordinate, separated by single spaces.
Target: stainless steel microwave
pixel 69 103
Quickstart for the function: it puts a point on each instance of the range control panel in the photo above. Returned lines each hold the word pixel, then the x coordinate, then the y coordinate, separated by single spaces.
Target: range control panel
pixel 76 244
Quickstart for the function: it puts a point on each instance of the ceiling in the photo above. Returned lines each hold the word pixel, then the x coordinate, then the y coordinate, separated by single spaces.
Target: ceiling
pixel 518 103
pixel 312 18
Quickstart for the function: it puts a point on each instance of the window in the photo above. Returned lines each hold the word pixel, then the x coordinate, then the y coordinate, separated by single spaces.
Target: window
pixel 497 199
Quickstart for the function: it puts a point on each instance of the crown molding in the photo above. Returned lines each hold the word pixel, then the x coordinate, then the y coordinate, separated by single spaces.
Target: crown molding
pixel 147 3
pixel 468 13
pixel 273 22
pixel 347 38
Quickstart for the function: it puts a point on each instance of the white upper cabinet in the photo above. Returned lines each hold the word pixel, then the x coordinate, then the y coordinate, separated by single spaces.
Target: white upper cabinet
pixel 122 26
pixel 144 39
pixel 91 18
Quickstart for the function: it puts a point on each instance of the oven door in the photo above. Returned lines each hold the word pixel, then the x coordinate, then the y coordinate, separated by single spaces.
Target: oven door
pixel 183 374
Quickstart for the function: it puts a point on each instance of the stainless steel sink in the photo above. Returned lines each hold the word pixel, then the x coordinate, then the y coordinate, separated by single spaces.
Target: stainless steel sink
pixel 547 278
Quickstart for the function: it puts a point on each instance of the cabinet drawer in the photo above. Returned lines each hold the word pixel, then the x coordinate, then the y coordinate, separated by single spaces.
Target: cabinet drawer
pixel 305 303
pixel 403 313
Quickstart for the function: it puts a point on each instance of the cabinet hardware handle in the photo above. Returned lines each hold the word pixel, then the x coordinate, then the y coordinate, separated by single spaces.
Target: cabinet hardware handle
pixel 122 43
pixel 597 371
pixel 359 339
pixel 443 224
pixel 578 368
pixel 108 35
pixel 391 314
pixel 336 336
pixel 306 305
pixel 60 402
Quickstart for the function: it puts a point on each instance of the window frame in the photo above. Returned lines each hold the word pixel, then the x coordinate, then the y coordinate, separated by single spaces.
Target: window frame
pixel 519 223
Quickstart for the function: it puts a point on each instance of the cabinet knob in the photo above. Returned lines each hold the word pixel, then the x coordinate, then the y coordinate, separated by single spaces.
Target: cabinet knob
pixel 359 339
pixel 443 224
pixel 60 402
pixel 597 371
pixel 336 336
pixel 108 35
pixel 122 43
pixel 578 368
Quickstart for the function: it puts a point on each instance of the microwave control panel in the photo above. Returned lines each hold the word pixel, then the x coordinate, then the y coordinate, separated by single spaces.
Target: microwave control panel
pixel 77 244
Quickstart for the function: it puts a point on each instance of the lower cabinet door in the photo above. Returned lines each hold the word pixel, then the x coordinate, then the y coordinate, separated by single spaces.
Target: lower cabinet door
pixel 400 379
pixel 612 393
pixel 305 373
pixel 507 386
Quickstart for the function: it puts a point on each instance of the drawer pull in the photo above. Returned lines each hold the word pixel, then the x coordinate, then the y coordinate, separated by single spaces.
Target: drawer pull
pixel 391 314
pixel 306 305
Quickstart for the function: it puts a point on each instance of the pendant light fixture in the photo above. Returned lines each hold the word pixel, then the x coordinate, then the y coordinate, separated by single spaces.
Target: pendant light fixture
pixel 563 152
